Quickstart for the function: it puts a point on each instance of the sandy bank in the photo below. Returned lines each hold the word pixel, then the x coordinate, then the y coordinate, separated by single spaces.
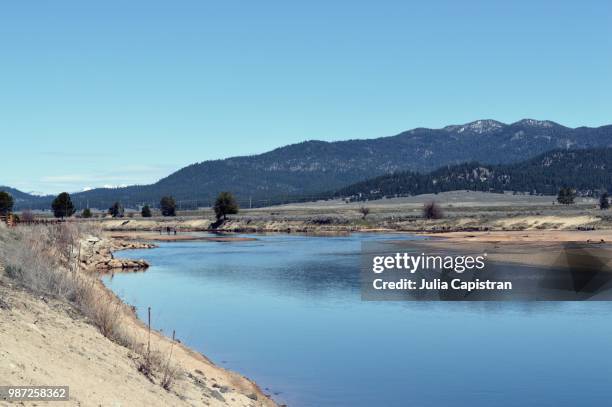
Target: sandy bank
pixel 47 340
pixel 543 248
pixel 346 219
pixel 531 236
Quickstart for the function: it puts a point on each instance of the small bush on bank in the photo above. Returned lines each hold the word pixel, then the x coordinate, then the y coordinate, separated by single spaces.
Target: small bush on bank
pixel 146 212
pixel 27 216
pixel 431 210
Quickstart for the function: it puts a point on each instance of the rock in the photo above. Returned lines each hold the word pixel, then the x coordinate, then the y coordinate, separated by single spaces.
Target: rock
pixel 4 305
pixel 124 264
pixel 217 395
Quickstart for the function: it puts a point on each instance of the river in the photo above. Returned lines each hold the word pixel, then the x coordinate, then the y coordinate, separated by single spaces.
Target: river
pixel 285 311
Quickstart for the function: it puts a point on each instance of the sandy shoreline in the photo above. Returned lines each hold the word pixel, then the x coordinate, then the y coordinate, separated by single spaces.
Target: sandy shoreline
pixel 530 236
pixel 47 341
pixel 227 382
pixel 542 248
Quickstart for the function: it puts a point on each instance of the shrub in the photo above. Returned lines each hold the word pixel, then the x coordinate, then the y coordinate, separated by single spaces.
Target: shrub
pixel 431 210
pixel 566 196
pixel 27 216
pixel 145 212
pixel 168 206
pixel 364 212
pixel 86 213
pixel 225 205
pixel 36 256
pixel 116 210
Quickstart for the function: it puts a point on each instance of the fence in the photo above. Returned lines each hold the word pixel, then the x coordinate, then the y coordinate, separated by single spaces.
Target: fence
pixel 12 220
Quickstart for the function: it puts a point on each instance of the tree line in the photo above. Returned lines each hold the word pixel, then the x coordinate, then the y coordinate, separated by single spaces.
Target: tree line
pixel 63 207
pixel 586 172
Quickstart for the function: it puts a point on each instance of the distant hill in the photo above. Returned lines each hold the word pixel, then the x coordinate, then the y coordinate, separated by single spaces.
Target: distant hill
pixel 18 196
pixel 311 167
pixel 588 171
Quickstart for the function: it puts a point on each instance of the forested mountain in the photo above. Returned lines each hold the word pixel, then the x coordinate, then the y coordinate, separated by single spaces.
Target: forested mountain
pixel 588 171
pixel 18 196
pixel 312 167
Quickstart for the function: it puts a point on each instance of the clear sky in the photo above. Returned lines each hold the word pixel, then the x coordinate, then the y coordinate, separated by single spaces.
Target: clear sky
pixel 121 92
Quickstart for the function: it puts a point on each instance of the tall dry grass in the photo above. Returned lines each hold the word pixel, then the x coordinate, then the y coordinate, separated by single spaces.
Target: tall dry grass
pixel 45 260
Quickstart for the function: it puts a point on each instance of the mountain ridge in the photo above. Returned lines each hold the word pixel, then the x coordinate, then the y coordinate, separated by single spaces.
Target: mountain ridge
pixel 314 166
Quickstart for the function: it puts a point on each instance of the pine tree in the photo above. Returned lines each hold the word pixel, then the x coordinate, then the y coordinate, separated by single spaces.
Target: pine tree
pixel 604 202
pixel 566 196
pixel 6 203
pixel 116 210
pixel 62 206
pixel 146 212
pixel 168 206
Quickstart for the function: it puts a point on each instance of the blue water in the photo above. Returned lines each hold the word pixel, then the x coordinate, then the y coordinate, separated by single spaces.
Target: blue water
pixel 285 311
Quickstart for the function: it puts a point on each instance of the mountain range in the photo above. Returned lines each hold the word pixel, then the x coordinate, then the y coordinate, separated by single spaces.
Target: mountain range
pixel 312 167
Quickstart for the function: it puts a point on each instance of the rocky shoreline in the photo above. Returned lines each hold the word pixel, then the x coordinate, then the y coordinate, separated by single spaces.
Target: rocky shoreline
pixel 97 254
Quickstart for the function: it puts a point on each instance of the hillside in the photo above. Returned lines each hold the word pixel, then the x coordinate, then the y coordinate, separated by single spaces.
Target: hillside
pixel 588 171
pixel 314 166
pixel 18 196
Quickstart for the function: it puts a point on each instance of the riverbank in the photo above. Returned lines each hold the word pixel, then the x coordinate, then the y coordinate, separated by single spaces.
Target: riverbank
pixel 458 211
pixel 530 234
pixel 131 239
pixel 90 341
pixel 338 224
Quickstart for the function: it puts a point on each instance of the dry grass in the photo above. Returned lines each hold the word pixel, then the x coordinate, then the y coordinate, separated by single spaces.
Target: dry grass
pixel 45 260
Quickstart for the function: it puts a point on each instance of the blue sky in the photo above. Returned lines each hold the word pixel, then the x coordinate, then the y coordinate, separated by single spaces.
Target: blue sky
pixel 121 92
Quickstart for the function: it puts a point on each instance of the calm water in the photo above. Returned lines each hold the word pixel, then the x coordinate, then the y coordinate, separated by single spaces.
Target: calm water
pixel 285 310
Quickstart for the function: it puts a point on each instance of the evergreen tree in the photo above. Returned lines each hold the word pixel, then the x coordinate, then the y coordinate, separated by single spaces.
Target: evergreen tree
pixel 168 206
pixel 146 212
pixel 225 205
pixel 86 213
pixel 116 210
pixel 566 196
pixel 604 202
pixel 6 203
pixel 62 206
